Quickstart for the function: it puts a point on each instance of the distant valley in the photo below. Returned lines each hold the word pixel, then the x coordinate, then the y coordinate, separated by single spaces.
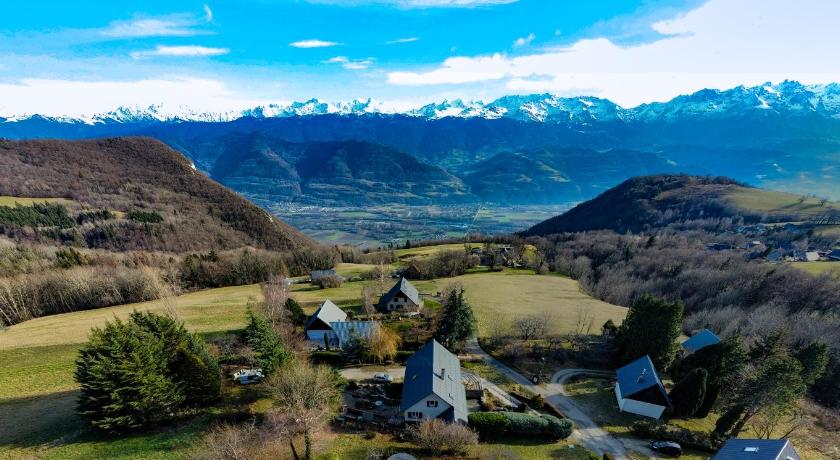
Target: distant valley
pixel 537 150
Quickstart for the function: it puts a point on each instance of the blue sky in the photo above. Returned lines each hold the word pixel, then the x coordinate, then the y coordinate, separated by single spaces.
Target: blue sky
pixel 60 57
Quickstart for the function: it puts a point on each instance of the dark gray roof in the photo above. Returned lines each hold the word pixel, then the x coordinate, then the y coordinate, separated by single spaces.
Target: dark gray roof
pixel 404 286
pixel 638 376
pixel 700 340
pixel 314 275
pixel 434 370
pixel 328 312
pixel 757 449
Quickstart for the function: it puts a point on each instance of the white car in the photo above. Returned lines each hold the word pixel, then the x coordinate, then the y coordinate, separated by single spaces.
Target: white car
pixel 248 376
pixel 382 377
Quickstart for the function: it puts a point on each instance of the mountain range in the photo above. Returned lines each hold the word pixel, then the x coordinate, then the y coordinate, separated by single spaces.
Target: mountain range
pixel 532 149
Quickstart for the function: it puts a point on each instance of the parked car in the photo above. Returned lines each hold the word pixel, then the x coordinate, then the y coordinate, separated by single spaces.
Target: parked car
pixel 666 447
pixel 248 376
pixel 382 377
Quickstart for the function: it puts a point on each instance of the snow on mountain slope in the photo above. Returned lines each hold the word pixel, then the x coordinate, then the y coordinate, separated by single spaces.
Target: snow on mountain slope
pixel 788 97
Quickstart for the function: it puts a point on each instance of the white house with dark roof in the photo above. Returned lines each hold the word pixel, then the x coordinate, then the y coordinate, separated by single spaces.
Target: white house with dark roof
pixel 403 297
pixel 433 386
pixel 319 327
pixel 700 340
pixel 329 326
pixel 757 449
pixel 639 390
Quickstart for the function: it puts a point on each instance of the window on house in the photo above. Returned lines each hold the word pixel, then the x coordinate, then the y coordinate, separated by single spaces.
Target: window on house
pixel 415 415
pixel 431 403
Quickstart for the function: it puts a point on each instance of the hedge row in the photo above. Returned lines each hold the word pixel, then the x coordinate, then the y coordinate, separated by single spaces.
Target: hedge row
pixel 495 424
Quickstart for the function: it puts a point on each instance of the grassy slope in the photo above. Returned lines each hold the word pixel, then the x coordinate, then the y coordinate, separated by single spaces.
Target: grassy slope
pixel 37 393
pixel 24 201
pixel 818 268
pixel 773 203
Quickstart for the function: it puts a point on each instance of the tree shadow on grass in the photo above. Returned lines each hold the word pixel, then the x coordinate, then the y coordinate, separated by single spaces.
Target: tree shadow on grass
pixel 48 422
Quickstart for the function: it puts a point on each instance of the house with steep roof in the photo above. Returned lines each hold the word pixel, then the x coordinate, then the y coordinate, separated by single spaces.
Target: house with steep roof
pixel 639 390
pixel 757 449
pixel 433 386
pixel 319 326
pixel 700 340
pixel 403 297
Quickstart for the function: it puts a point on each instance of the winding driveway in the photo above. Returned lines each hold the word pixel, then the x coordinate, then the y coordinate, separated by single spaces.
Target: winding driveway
pixel 587 432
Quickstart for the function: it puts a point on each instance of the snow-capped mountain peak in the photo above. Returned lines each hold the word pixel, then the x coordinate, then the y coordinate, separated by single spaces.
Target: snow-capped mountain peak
pixel 787 97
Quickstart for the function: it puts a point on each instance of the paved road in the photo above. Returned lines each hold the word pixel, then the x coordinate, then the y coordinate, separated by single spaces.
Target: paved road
pixel 587 432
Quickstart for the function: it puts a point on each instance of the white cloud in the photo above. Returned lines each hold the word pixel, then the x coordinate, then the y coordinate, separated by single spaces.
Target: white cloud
pixel 523 41
pixel 313 44
pixel 61 97
pixel 150 27
pixel 402 40
pixel 208 13
pixel 719 44
pixel 350 64
pixel 183 51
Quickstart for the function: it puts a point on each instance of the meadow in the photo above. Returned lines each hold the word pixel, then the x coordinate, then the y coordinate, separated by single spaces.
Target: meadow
pixel 773 203
pixel 818 268
pixel 37 391
pixel 24 201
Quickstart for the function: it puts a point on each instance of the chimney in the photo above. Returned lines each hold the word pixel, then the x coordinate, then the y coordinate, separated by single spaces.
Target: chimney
pixel 442 373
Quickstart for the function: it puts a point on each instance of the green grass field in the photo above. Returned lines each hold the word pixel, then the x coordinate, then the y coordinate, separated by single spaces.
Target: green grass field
pixel 512 293
pixel 23 201
pixel 353 447
pixel 818 268
pixel 775 203
pixel 37 391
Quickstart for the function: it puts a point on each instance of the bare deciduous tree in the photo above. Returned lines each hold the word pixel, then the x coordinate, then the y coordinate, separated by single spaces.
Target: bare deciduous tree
pixel 308 395
pixel 531 326
pixel 367 299
pixel 275 293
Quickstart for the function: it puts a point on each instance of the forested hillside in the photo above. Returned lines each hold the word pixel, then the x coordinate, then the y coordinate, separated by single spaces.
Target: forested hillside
pixel 127 194
pixel 650 202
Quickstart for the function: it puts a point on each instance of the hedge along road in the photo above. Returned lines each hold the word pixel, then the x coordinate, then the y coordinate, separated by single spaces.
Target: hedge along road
pixel 586 432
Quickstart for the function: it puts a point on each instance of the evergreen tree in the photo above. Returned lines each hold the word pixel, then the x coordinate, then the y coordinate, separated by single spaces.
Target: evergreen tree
pixel 688 394
pixel 135 373
pixel 457 323
pixel 814 360
pixel 723 362
pixel 651 328
pixel 296 314
pixel 265 343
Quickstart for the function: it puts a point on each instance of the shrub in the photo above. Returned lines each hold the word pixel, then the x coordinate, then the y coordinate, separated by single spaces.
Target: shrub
pixel 331 281
pixel 136 373
pixel 517 424
pixel 438 437
pixel 490 425
pixel 146 217
pixel 402 356
pixel 557 428
pixel 331 358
